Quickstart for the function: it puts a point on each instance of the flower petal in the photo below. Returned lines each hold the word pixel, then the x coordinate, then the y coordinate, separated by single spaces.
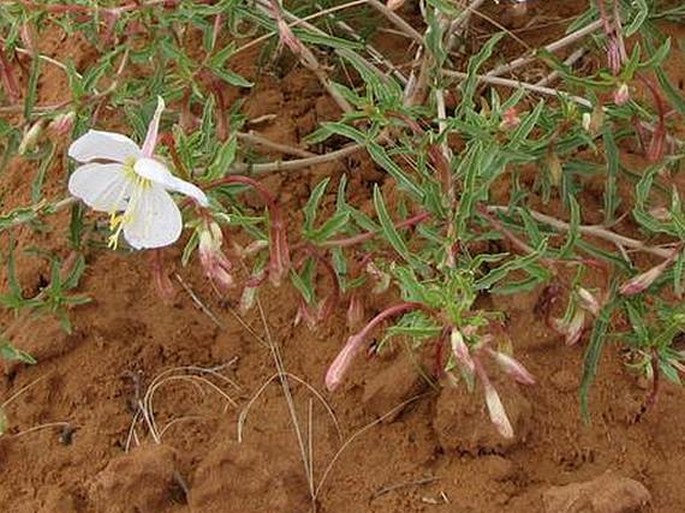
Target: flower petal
pixel 158 173
pixel 153 220
pixel 95 144
pixel 102 187
pixel 153 129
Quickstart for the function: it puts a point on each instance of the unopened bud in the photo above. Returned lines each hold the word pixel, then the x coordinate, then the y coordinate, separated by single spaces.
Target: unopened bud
pixel 461 352
pixel 215 264
pixel 342 362
pixel 498 414
pixel 588 301
pixel 62 124
pixel 641 282
pixel 622 94
pixel 31 137
pixel 513 367
pixel 510 119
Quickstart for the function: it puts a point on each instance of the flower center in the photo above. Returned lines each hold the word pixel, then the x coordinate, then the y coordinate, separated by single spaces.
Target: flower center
pixel 117 221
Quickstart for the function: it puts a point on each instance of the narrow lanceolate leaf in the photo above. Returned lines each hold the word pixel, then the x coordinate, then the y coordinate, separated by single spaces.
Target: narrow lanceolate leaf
pixel 592 355
pixel 611 189
pixel 574 232
pixel 312 206
pixel 380 157
pixel 330 228
pixel 389 230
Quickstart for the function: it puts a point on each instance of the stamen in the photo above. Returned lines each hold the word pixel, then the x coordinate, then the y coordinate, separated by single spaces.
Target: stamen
pixel 116 225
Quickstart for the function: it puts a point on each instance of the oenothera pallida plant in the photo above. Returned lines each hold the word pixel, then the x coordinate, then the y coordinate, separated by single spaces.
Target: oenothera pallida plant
pixel 444 312
pixel 130 184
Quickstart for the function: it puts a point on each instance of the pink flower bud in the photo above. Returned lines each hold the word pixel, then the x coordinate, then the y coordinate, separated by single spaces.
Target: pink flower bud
pixel 642 281
pixel 342 362
pixel 510 119
pixel 588 301
pixel 513 367
pixel 622 94
pixel 573 329
pixel 461 352
pixel 498 415
pixel 215 264
pixel 62 124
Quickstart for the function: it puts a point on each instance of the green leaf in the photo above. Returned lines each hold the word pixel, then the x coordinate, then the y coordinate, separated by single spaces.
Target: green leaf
pixel 32 89
pixel 312 206
pixel 611 190
pixel 592 355
pixel 331 227
pixel 639 10
pixel 566 250
pixel 232 78
pixel 390 232
pixel 223 159
pixel 10 353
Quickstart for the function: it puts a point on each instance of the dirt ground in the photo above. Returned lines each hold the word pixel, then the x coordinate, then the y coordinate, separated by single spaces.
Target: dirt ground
pixel 74 446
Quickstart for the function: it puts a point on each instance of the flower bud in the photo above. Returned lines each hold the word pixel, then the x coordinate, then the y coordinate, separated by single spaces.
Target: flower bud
pixel 512 367
pixel 586 120
pixel 215 264
pixel 461 352
pixel 31 138
pixel 61 126
pixel 342 362
pixel 510 119
pixel 622 94
pixel 496 410
pixel 642 281
pixel 588 301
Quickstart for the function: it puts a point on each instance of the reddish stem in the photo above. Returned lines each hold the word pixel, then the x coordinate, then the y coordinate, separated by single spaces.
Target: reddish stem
pixel 8 80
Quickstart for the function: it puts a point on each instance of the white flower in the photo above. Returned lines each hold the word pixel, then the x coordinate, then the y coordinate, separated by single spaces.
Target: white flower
pixel 126 181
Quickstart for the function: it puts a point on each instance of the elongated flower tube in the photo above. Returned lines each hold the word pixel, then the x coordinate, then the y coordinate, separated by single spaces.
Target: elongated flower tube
pixel 354 343
pixel 126 181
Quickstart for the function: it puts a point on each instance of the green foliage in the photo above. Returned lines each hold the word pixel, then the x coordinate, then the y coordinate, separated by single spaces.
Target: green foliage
pixel 464 164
